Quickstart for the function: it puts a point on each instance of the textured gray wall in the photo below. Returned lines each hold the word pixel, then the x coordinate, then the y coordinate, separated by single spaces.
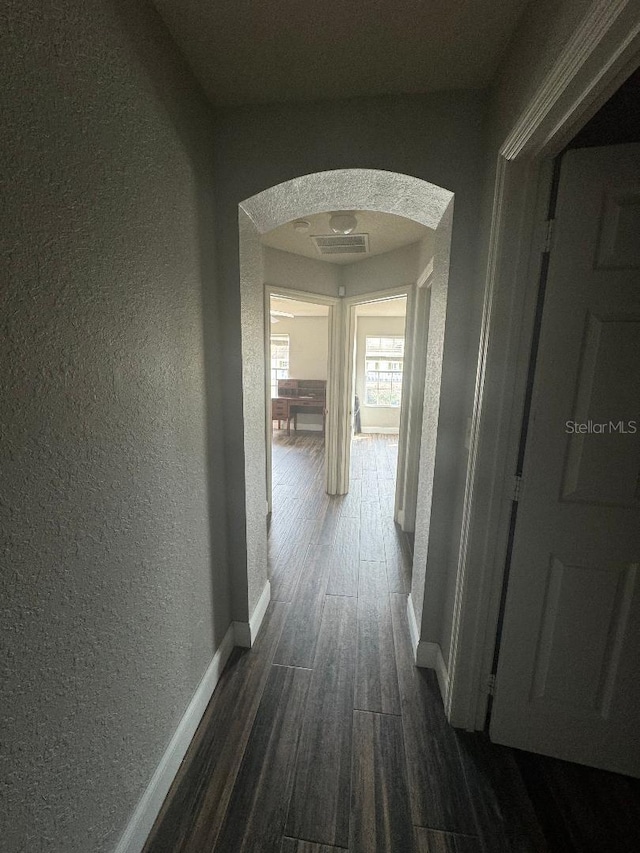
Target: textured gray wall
pixel 283 269
pixel 112 605
pixel 397 268
pixel 434 137
pixel 248 545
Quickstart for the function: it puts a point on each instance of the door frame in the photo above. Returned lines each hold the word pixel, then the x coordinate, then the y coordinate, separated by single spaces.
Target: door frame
pixel 330 426
pixel 351 303
pixel 603 50
pixel 340 381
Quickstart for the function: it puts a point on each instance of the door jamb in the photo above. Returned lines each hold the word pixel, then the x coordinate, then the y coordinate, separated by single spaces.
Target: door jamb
pixel 350 304
pixel 317 299
pixel 603 50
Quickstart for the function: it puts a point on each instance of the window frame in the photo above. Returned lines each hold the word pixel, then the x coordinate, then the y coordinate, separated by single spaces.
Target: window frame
pixel 385 358
pixel 274 370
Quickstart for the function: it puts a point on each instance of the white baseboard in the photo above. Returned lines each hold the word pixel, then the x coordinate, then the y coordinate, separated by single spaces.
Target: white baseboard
pixel 245 633
pixel 413 628
pixel 303 428
pixel 380 430
pixel 135 835
pixel 429 655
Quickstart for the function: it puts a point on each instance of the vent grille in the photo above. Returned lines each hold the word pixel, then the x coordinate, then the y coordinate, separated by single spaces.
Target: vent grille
pixel 342 244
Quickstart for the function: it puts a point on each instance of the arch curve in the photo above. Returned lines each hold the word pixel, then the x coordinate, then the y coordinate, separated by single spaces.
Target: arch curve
pixel 348 189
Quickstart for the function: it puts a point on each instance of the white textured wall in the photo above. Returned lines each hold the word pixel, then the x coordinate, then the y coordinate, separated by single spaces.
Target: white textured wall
pixel 542 32
pixel 296 272
pixel 246 445
pixel 308 345
pixel 397 268
pixel 308 354
pixel 113 581
pixel 375 416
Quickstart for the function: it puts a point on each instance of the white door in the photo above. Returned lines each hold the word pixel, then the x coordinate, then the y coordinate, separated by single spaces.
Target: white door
pixel 568 680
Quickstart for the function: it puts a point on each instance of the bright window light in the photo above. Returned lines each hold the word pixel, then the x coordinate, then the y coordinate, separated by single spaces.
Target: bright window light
pixel 383 365
pixel 279 361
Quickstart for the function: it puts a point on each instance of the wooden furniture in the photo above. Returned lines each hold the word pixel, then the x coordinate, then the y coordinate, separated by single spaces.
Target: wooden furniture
pixel 296 396
pixel 280 411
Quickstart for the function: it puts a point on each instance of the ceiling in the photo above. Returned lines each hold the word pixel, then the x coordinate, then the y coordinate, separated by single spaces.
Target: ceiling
pixel 246 51
pixel 386 232
pixel 396 307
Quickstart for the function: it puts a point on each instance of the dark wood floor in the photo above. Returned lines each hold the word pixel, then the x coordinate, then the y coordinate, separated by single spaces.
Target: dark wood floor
pixel 326 737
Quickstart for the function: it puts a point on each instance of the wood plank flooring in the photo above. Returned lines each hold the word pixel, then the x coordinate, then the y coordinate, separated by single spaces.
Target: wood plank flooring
pixel 376 674
pixel 324 737
pixel 319 807
pixel 380 818
pixel 257 809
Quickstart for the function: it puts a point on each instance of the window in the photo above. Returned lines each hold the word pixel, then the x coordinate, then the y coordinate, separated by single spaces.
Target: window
pixel 279 361
pixel 383 363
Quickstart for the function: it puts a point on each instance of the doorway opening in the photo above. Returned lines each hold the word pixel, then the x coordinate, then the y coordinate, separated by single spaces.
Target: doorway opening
pixel 342 194
pixel 378 382
pixel 297 349
pixel 320 350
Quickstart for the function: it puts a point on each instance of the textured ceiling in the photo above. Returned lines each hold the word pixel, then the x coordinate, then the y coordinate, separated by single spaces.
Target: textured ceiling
pixel 248 51
pixel 386 232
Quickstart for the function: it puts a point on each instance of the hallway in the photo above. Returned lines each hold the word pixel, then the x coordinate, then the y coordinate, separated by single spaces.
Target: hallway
pixel 325 731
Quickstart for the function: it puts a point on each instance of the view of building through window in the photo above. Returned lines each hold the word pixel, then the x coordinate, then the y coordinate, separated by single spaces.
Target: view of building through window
pixel 279 361
pixel 384 360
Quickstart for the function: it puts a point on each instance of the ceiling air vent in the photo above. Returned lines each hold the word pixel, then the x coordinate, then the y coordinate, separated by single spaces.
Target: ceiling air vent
pixel 342 244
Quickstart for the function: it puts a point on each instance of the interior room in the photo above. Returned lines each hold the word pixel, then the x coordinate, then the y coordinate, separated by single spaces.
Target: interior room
pixel 299 342
pixel 357 527
pixel 345 260
pixel 297 380
pixel 379 359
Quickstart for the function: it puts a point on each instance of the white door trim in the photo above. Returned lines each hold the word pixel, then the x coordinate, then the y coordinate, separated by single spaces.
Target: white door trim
pixel 350 303
pixel 316 299
pixel 602 51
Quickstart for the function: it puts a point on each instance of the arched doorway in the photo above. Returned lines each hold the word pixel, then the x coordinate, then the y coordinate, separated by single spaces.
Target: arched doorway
pixel 344 189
